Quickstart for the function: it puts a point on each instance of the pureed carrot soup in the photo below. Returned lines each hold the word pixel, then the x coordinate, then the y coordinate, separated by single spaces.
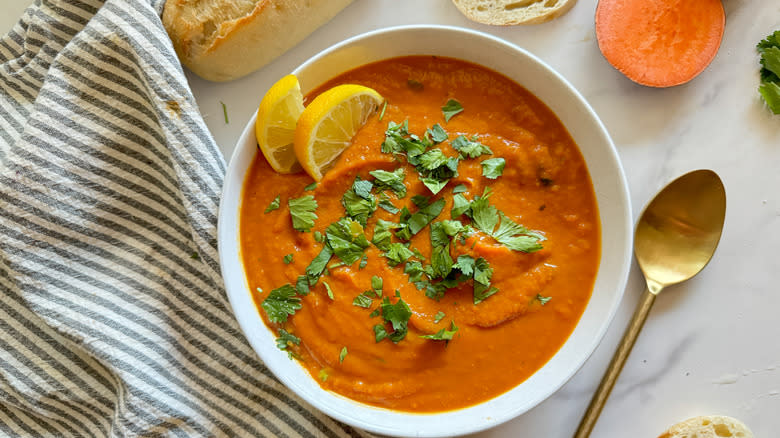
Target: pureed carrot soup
pixel 455 245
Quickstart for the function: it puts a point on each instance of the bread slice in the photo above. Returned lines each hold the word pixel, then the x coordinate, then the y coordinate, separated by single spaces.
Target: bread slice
pixel 509 12
pixel 708 427
pixel 221 40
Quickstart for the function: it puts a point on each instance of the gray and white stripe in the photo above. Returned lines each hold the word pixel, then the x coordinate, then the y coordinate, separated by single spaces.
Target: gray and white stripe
pixel 113 317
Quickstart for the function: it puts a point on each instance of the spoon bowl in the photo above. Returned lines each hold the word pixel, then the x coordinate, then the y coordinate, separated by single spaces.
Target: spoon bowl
pixel 679 230
pixel 675 238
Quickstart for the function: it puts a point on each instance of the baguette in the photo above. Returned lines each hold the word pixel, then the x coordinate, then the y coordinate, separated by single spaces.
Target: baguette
pixel 511 12
pixel 221 40
pixel 713 426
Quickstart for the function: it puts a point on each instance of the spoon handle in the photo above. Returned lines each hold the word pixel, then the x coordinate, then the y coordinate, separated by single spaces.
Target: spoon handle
pixel 615 366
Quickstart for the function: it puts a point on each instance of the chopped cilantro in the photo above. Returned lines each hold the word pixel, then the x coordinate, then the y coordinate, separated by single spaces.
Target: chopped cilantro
pixel 280 303
pixel 318 237
pixel 382 236
pixel 465 264
pixel 224 112
pixel 451 108
pixel 287 259
pixel 421 201
pixel 390 180
pixel 302 285
pixel 385 204
pixel 328 290
pixel 382 114
pixel 492 168
pixel 469 148
pixel 414 270
pixel 424 216
pixel 302 212
pixel 436 169
pixel 482 276
pixel 438 317
pixel 460 205
pixel 347 240
pixel 542 300
pixel 323 375
pixel 509 233
pixel 286 339
pixel 274 205
pixel 363 300
pixel 343 354
pixel 311 186
pixel 375 313
pixel 397 315
pixel 437 133
pixel 358 200
pixel 397 253
pixel 460 188
pixel 363 262
pixel 443 334
pixel 441 261
pixel 376 285
pixel 380 332
pixel 318 264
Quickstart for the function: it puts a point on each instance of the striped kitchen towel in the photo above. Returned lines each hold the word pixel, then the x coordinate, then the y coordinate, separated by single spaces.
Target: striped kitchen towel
pixel 113 316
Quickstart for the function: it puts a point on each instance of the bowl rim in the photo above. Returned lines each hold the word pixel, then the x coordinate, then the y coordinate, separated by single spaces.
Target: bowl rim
pixel 236 299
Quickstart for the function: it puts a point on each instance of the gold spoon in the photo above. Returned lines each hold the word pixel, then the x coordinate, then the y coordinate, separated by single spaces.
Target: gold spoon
pixel 675 238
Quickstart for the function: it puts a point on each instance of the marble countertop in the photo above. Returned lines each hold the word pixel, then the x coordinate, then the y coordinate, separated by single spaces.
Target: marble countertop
pixel 711 345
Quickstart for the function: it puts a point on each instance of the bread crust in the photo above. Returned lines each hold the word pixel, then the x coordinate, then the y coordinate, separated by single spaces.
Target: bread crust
pixel 218 47
pixel 711 426
pixel 512 12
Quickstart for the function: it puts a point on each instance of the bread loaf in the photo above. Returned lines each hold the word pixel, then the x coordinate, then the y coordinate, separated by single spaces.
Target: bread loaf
pixel 221 40
pixel 708 427
pixel 509 12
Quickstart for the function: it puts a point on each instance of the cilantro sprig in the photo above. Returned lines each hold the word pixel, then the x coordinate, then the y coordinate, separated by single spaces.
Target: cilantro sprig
pixel 443 334
pixel 488 219
pixel 302 212
pixel 281 303
pixel 397 316
pixel 285 340
pixel 450 109
pixel 769 49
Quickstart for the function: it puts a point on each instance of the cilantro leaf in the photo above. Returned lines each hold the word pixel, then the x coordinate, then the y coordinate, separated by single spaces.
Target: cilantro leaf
pixel 318 237
pixel 318 264
pixel 347 240
pixel 492 168
pixel 328 290
pixel 287 259
pixel 482 276
pixel 274 205
pixel 469 148
pixel 434 185
pixel 433 159
pixel 397 253
pixel 311 186
pixel 466 264
pixel 438 317
pixel 509 233
pixel 343 354
pixel 380 332
pixel 460 205
pixel 437 133
pixel 358 200
pixel 397 315
pixel 382 236
pixel 770 91
pixel 542 300
pixel 414 270
pixel 363 262
pixel 302 285
pixel 302 212
pixel 424 216
pixel 363 300
pixel 390 180
pixel 443 334
pixel 280 303
pixel 441 261
pixel 421 201
pixel 286 339
pixel 460 188
pixel 451 108
pixel 376 285
pixel 385 204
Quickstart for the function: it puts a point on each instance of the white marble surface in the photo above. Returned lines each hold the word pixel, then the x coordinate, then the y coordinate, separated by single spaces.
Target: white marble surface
pixel 711 345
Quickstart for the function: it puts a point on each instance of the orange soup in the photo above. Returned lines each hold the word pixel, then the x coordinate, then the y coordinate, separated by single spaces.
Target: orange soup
pixel 405 299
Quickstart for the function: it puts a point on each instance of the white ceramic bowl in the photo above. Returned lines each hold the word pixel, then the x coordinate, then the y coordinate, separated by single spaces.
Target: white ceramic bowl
pixel 608 180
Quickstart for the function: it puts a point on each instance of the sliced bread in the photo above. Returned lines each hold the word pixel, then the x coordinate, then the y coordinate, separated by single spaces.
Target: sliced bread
pixel 713 426
pixel 220 40
pixel 510 12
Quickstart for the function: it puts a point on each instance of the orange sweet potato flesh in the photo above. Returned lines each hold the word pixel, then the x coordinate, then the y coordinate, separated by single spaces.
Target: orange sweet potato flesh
pixel 660 43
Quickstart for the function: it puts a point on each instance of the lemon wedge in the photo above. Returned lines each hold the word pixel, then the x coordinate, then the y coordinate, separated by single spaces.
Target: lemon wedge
pixel 277 115
pixel 327 125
